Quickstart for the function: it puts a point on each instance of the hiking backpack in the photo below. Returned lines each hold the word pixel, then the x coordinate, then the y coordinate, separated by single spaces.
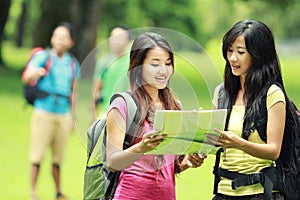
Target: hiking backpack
pixel 285 176
pixel 31 91
pixel 99 182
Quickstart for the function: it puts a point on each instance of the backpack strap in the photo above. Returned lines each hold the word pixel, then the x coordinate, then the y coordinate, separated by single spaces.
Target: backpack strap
pixel 223 97
pixel 267 177
pixel 132 110
pixel 223 102
pixel 72 68
pixel 96 128
pixel 261 114
pixel 240 179
pixel 131 132
pixel 73 65
pixel 47 65
pixel 48 62
pixel 216 170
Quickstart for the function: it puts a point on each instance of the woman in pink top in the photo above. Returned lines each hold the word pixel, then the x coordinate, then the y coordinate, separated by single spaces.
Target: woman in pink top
pixel 146 176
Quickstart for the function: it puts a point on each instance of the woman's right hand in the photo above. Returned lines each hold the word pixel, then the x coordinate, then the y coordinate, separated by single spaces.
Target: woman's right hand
pixel 151 140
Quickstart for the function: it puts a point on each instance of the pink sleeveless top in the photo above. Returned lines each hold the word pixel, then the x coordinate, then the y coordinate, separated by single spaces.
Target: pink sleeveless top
pixel 150 177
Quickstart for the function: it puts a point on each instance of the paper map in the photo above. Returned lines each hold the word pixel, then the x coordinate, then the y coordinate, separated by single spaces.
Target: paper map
pixel 187 130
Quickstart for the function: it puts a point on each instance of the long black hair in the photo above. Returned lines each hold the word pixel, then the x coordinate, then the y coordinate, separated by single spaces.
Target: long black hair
pixel 265 67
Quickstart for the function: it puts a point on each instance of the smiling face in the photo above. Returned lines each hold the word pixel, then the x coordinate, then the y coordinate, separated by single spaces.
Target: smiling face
pixel 239 58
pixel 157 69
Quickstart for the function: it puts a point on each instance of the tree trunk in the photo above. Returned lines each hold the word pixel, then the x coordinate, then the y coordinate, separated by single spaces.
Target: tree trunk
pixel 85 16
pixel 21 24
pixel 53 12
pixel 4 11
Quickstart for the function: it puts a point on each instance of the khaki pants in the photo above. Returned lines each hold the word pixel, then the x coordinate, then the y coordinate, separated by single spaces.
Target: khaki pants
pixel 49 130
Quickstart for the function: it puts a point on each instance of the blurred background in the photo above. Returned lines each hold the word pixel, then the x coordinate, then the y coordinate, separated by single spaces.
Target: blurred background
pixel 25 24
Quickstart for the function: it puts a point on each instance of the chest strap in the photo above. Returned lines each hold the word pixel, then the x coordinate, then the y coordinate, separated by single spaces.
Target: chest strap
pixel 239 179
pixel 267 177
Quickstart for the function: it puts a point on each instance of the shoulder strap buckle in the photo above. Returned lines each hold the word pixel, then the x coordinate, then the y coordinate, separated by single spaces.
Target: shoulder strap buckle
pixel 248 179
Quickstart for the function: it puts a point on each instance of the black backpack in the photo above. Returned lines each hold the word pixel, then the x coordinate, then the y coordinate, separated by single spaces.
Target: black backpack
pixel 31 91
pixel 99 182
pixel 285 177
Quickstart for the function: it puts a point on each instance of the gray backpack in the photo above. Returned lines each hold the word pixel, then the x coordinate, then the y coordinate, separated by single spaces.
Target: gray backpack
pixel 99 182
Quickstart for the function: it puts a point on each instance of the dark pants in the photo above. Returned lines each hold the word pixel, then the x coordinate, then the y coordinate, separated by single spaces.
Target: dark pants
pixel 275 196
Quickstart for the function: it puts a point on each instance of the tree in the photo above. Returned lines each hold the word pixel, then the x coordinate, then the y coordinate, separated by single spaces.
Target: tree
pixel 21 23
pixel 83 14
pixel 85 17
pixel 4 11
pixel 51 15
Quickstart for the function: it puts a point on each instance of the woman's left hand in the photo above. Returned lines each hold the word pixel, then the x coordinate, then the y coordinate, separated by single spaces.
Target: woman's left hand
pixel 193 160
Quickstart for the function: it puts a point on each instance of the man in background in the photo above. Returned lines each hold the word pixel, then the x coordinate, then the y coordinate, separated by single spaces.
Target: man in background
pixel 110 73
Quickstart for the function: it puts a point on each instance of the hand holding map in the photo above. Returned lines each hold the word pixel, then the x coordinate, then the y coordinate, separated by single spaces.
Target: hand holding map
pixel 187 131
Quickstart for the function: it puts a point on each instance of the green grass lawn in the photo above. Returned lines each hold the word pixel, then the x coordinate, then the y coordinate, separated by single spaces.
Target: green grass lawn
pixel 14 138
pixel 15 167
pixel 14 143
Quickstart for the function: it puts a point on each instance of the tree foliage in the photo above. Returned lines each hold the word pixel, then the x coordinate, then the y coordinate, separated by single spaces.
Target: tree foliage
pixel 203 20
pixel 4 10
pixel 83 14
pixel 51 15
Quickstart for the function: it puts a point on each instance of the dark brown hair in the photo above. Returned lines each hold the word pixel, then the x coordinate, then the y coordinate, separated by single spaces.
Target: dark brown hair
pixel 139 49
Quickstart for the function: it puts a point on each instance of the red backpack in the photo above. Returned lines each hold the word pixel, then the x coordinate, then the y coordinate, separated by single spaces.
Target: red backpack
pixel 31 91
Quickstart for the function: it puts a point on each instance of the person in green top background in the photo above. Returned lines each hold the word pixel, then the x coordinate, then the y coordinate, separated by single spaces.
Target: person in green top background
pixel 111 71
